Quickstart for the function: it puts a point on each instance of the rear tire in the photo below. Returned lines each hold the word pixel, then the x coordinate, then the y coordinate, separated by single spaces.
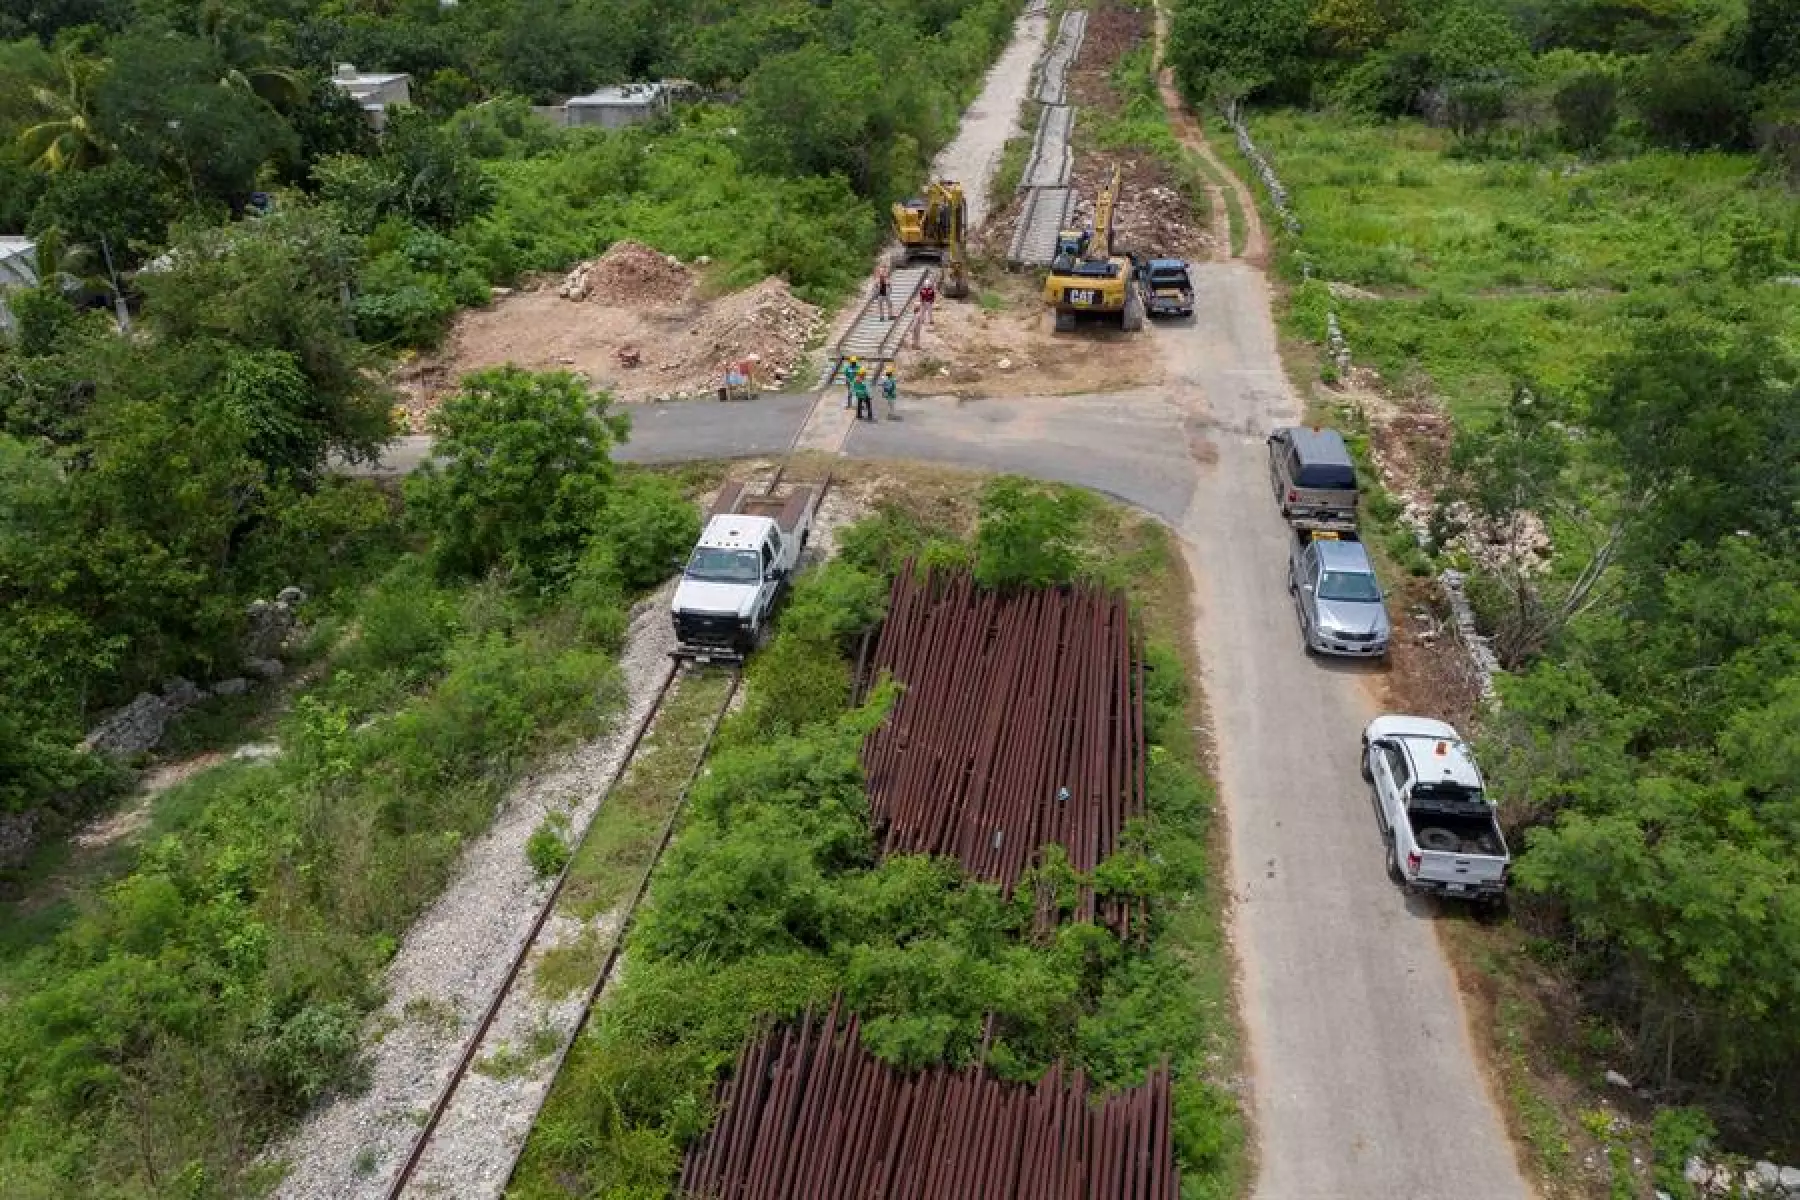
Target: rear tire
pixel 1393 863
pixel 1362 764
pixel 1065 322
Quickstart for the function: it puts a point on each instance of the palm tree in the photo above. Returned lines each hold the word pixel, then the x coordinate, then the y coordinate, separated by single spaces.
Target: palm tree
pixel 68 138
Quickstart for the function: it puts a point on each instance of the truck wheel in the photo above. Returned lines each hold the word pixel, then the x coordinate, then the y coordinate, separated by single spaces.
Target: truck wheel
pixel 1393 863
pixel 1363 764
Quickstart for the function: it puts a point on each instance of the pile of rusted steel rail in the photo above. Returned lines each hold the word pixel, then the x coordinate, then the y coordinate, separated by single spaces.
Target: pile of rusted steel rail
pixel 810 1115
pixel 1021 724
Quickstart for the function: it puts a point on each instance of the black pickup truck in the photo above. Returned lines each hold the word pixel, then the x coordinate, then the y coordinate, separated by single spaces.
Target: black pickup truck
pixel 1168 292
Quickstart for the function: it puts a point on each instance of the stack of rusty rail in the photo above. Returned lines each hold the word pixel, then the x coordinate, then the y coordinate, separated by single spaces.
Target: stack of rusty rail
pixel 1021 723
pixel 810 1115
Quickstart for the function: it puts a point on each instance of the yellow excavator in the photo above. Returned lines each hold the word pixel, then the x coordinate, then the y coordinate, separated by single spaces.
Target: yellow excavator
pixel 931 228
pixel 1088 277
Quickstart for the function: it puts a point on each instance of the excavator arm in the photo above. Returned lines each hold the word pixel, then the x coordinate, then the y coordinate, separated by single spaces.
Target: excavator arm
pixel 1104 204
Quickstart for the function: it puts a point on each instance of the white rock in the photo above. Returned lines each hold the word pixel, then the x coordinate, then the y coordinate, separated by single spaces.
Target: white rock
pixel 256 752
pixel 1696 1172
pixel 1614 1079
pixel 1790 1178
pixel 1767 1176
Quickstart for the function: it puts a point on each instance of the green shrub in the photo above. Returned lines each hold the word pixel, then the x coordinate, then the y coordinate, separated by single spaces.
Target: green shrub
pixel 311 1054
pixel 547 849
pixel 1677 1134
pixel 649 524
pixel 1029 535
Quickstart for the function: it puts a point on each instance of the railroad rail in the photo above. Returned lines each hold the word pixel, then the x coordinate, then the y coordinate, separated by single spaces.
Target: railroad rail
pixel 1053 72
pixel 873 337
pixel 809 1114
pixel 1042 216
pixel 422 1144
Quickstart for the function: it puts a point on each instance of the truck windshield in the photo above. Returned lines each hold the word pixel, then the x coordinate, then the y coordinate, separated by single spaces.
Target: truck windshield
pixel 724 566
pixel 1349 585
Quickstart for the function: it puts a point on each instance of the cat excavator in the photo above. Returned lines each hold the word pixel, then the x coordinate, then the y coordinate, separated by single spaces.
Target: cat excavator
pixel 1088 276
pixel 931 228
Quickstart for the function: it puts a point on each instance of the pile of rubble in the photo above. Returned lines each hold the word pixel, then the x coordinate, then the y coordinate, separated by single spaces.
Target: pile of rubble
pixel 629 274
pixel 1764 1179
pixel 766 322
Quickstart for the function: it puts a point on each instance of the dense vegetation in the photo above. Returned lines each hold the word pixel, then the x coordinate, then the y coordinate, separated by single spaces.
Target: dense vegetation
pixel 190 173
pixel 1569 222
pixel 771 897
pixel 155 1034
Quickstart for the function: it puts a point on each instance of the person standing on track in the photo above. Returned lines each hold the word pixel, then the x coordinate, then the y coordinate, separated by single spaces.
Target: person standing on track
pixel 927 298
pixel 883 295
pixel 890 390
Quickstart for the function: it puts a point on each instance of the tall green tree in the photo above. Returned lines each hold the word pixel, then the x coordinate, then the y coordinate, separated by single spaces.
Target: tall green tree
pixel 524 477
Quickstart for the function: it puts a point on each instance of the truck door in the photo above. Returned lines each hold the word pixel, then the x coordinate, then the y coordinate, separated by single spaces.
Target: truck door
pixel 1391 778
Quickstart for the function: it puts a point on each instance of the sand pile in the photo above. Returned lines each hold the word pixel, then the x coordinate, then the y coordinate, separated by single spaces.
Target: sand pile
pixel 629 274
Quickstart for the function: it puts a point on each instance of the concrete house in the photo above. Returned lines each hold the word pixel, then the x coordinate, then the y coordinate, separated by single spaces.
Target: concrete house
pixel 617 107
pixel 375 91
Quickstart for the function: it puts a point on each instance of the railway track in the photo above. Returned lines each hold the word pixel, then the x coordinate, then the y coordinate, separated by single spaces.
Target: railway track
pixel 410 1181
pixel 1041 218
pixel 872 337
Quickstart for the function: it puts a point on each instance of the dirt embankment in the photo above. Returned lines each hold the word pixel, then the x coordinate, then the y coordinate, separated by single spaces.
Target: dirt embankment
pixel 636 322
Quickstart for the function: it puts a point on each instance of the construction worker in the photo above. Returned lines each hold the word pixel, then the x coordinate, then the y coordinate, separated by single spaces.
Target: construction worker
pixel 927 297
pixel 852 365
pixel 865 409
pixel 890 391
pixel 882 293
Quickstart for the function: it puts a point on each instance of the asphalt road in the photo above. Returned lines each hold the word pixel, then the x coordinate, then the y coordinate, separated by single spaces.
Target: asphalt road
pixel 1365 1084
pixel 680 431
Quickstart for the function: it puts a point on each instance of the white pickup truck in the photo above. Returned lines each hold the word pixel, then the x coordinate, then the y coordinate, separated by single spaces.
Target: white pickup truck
pixel 1442 831
pixel 739 570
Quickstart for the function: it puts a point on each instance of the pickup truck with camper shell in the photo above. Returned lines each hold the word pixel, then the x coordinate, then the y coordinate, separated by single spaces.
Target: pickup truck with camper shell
pixel 740 569
pixel 1442 830
pixel 1314 478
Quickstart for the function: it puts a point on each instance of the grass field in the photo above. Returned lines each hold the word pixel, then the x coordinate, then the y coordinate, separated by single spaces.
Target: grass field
pixel 1482 272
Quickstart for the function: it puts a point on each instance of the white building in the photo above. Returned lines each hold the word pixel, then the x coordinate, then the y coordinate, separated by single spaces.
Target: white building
pixel 617 107
pixel 376 92
pixel 18 269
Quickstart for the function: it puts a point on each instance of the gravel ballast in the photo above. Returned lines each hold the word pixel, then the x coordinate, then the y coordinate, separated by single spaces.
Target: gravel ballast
pixel 451 964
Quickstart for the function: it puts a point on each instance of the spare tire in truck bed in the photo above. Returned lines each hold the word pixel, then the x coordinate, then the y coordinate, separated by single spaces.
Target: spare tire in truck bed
pixel 1433 837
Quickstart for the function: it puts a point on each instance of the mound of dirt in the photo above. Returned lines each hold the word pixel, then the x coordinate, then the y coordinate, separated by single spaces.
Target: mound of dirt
pixel 629 273
pixel 647 336
pixel 765 321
